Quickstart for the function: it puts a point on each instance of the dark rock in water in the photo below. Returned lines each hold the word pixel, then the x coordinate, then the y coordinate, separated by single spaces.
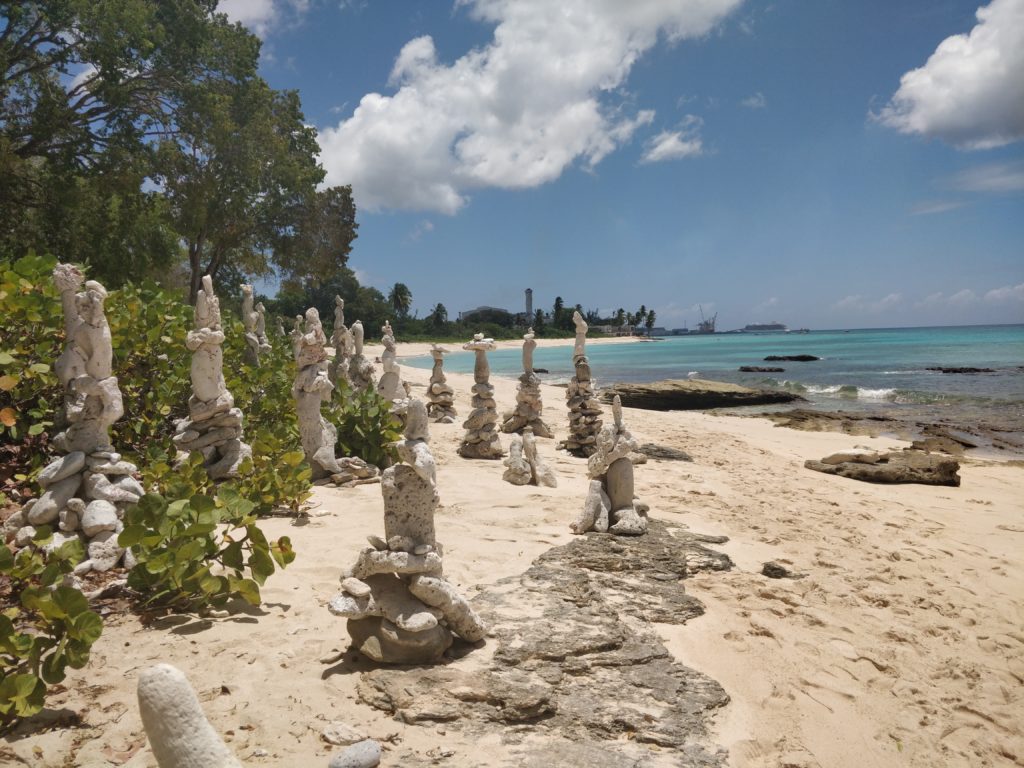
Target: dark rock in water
pixel 654 451
pixel 792 358
pixel 693 394
pixel 961 370
pixel 773 570
pixel 896 467
pixel 541 370
pixel 760 369
pixel 593 690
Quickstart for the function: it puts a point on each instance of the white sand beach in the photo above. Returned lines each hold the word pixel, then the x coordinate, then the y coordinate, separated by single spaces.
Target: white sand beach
pixel 902 645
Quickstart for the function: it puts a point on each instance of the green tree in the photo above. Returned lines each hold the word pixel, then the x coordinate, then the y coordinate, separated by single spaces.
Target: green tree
pixel 323 228
pixel 649 321
pixel 400 298
pixel 538 320
pixel 83 87
pixel 620 317
pixel 438 316
pixel 240 160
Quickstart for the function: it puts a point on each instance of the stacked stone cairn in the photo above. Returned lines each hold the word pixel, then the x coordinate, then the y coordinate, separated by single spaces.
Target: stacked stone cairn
pixel 341 340
pixel 255 322
pixel 360 370
pixel 318 436
pixel 86 491
pixel 440 395
pixel 524 464
pixel 610 504
pixel 528 399
pixel 584 409
pixel 400 608
pixel 481 440
pixel 390 386
pixel 214 425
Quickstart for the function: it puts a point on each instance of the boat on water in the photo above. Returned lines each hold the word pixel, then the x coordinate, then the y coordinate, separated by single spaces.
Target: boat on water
pixel 765 327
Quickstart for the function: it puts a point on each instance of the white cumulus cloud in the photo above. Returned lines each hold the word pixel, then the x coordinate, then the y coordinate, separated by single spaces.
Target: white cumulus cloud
pixel 1006 293
pixel 674 145
pixel 970 92
pixel 263 16
pixel 515 113
pixel 757 101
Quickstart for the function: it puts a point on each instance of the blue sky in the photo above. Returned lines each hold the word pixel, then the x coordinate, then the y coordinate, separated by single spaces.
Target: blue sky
pixel 824 164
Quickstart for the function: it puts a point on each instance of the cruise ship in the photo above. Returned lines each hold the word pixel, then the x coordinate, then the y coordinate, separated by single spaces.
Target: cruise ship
pixel 764 327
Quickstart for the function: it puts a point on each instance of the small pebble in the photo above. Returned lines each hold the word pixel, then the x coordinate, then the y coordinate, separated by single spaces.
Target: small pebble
pixel 365 754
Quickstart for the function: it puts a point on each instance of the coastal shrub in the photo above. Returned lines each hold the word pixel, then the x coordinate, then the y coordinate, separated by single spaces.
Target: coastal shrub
pixel 366 426
pixel 29 390
pixel 199 546
pixel 45 626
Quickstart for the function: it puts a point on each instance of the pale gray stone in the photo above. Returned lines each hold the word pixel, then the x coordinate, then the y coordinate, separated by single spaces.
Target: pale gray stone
pixel 23 536
pixel 13 524
pixel 69 520
pixel 371 562
pixel 381 641
pixel 355 587
pixel 461 618
pixel 99 516
pixel 390 599
pixel 104 551
pixel 409 503
pixel 58 469
pixel 340 735
pixel 618 482
pixel 364 754
pixel 47 508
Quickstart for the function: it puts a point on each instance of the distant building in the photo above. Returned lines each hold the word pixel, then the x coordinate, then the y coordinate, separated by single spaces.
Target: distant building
pixel 616 330
pixel 488 315
pixel 529 302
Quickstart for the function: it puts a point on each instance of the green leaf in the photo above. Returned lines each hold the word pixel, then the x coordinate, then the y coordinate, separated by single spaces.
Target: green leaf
pixel 71 601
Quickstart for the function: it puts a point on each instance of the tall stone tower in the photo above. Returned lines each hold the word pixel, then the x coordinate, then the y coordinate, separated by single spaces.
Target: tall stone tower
pixel 529 305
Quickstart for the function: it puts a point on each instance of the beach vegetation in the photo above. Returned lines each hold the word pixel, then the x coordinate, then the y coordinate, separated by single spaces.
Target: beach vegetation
pixel 46 626
pixel 198 545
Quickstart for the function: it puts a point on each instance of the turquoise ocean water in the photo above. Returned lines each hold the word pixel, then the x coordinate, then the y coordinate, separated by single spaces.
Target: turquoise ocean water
pixel 859 370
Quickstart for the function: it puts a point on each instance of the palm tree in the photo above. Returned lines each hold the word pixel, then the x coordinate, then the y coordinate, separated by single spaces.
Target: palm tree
pixel 649 321
pixel 439 315
pixel 620 317
pixel 400 299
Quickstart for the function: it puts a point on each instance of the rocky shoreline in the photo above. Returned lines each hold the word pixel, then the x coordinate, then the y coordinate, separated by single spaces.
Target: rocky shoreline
pixel 693 395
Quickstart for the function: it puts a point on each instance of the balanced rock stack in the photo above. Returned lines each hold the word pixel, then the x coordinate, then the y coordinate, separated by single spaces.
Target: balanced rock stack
pixel 390 386
pixel 481 440
pixel 214 426
pixel 400 608
pixel 341 340
pixel 584 409
pixel 524 464
pixel 312 386
pixel 255 322
pixel 86 491
pixel 360 370
pixel 610 505
pixel 528 398
pixel 440 395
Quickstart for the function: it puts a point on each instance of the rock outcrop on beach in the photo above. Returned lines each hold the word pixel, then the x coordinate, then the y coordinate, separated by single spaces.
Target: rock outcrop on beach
pixel 894 467
pixel 791 358
pixel 693 394
pixel 594 690
pixel 961 370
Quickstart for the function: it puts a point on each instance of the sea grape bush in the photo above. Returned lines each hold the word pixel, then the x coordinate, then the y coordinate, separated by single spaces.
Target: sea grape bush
pixel 366 426
pixel 45 626
pixel 198 546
